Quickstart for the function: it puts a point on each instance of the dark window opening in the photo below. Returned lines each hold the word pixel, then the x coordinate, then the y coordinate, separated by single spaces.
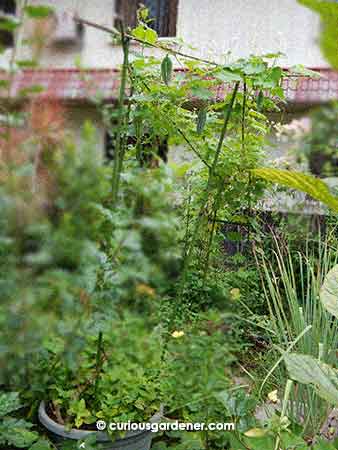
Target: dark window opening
pixel 7 8
pixel 151 152
pixel 162 12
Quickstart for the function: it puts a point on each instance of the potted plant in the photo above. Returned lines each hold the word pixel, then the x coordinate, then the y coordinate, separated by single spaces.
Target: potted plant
pixel 115 377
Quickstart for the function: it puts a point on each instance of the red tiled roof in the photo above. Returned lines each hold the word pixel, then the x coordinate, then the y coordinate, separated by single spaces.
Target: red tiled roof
pixel 66 84
pixel 312 90
pixel 81 85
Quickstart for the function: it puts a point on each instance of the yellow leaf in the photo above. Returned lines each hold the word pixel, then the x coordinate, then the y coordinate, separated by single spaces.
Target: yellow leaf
pixel 255 432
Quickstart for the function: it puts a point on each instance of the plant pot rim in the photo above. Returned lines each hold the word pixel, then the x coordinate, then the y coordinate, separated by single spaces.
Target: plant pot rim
pixel 77 434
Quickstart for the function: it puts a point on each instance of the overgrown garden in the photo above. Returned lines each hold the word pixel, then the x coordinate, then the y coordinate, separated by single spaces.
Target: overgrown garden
pixel 158 288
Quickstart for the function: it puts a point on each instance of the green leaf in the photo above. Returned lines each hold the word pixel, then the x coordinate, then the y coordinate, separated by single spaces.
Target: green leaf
pixel 234 236
pixel 4 84
pixel 79 409
pixel 276 75
pixel 201 93
pixel 9 402
pixel 150 36
pixel 9 24
pixel 167 70
pixel 254 67
pixel 329 292
pixel 21 438
pixel 316 188
pixel 34 89
pixel 328 12
pixel 299 69
pixel 38 11
pixel 26 64
pixel 307 370
pixel 145 34
pixel 41 444
pixel 16 432
pixel 201 120
pixel 256 432
pixel 324 445
pixel 259 443
pixel 227 76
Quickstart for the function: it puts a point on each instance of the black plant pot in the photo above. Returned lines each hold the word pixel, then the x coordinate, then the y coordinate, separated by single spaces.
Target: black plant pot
pixel 134 440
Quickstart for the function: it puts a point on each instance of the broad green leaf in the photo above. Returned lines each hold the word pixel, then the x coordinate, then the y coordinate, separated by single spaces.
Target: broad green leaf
pixel 41 444
pixel 276 75
pixel 201 92
pixel 292 442
pixel 299 69
pixel 16 432
pixel 38 11
pixel 145 34
pixel 316 188
pixel 307 370
pixel 329 292
pixel 266 442
pixel 9 402
pixel 324 445
pixel 328 11
pixel 150 36
pixel 254 67
pixel 227 76
pixel 21 438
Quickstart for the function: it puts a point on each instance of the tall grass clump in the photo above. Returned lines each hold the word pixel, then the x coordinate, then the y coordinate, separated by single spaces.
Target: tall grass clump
pixel 292 282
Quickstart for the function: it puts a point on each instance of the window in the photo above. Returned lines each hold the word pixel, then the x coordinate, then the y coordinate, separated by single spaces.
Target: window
pixel 162 12
pixel 7 8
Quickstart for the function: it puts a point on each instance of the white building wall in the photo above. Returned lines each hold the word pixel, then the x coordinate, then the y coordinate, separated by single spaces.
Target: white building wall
pixel 247 27
pixel 212 27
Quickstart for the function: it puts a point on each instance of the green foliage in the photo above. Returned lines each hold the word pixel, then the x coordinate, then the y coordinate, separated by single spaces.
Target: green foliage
pixel 300 181
pixel 320 144
pixel 292 283
pixel 38 11
pixel 123 384
pixel 9 402
pixel 9 24
pixel 307 370
pixel 107 271
pixel 49 258
pixel 328 11
pixel 328 292
pixel 311 371
pixel 15 432
pixel 146 34
pixel 41 444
